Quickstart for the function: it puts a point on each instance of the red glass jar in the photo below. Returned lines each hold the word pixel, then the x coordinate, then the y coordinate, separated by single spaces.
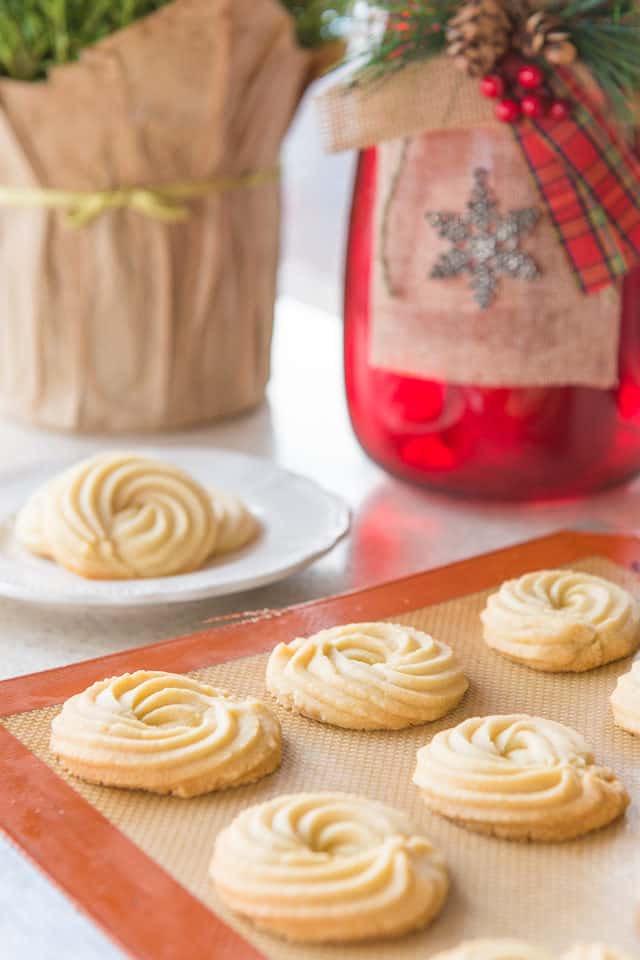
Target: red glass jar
pixel 515 443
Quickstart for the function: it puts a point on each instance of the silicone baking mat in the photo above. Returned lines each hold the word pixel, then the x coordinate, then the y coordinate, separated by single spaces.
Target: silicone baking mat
pixel 127 846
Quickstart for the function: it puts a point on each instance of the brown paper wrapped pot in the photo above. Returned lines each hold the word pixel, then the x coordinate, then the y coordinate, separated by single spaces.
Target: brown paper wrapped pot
pixel 129 323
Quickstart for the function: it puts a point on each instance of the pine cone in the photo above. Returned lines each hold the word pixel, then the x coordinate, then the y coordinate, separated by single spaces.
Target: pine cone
pixel 478 35
pixel 545 35
pixel 521 10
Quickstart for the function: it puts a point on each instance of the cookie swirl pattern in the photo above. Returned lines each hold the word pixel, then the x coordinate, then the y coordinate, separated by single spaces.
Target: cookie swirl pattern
pixel 119 516
pixel 517 950
pixel 594 951
pixel 165 733
pixel 518 777
pixel 625 700
pixel 562 620
pixel 236 525
pixel 29 523
pixel 367 676
pixel 494 950
pixel 322 867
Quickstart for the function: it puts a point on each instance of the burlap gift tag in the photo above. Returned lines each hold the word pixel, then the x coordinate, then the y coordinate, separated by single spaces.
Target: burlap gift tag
pixel 534 333
pixel 433 130
pixel 128 322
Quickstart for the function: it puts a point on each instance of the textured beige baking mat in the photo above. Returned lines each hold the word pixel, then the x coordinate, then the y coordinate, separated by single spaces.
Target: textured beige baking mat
pixel 552 894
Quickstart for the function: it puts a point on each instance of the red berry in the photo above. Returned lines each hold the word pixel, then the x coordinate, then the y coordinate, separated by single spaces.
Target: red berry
pixel 530 76
pixel 508 111
pixel 559 110
pixel 492 86
pixel 532 105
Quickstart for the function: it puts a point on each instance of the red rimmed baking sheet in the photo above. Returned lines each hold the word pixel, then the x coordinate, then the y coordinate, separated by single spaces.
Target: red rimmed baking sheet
pixel 108 875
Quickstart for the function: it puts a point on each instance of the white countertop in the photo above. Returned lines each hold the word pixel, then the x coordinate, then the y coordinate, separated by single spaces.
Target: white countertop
pixel 396 530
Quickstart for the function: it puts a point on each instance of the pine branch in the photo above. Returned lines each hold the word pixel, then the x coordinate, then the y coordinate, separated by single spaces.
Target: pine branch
pixel 609 46
pixel 415 31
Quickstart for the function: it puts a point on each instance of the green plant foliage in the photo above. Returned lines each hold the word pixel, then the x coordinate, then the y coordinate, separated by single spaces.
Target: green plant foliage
pixel 36 35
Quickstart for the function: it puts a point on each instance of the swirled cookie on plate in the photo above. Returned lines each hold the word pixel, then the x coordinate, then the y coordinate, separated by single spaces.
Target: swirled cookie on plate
pixel 123 516
pixel 625 700
pixel 29 524
pixel 236 525
pixel 517 950
pixel 493 950
pixel 518 777
pixel 322 867
pixel 594 951
pixel 165 733
pixel 562 621
pixel 367 676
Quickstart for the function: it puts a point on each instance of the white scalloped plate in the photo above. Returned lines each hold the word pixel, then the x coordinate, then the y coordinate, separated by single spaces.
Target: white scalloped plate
pixel 300 522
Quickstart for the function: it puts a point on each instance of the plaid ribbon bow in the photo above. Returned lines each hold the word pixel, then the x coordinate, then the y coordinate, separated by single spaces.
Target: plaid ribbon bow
pixel 589 178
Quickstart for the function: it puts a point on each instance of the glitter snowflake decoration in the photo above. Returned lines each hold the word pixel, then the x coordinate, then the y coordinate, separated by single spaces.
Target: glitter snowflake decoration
pixel 484 244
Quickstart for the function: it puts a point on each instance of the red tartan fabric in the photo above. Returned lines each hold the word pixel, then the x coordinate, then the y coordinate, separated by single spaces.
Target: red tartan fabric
pixel 589 179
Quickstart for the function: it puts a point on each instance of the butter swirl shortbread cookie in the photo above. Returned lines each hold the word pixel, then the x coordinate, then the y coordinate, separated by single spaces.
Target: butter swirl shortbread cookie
pixel 494 950
pixel 165 733
pixel 29 523
pixel 236 525
pixel 518 777
pixel 594 951
pixel 518 950
pixel 625 700
pixel 562 620
pixel 367 676
pixel 124 516
pixel 321 867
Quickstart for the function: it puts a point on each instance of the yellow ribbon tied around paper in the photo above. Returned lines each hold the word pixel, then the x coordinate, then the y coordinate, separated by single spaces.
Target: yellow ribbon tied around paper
pixel 168 203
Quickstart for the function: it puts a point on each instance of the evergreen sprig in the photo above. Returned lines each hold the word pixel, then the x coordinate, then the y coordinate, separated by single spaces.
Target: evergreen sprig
pixel 607 38
pixel 415 30
pixel 606 34
pixel 36 35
